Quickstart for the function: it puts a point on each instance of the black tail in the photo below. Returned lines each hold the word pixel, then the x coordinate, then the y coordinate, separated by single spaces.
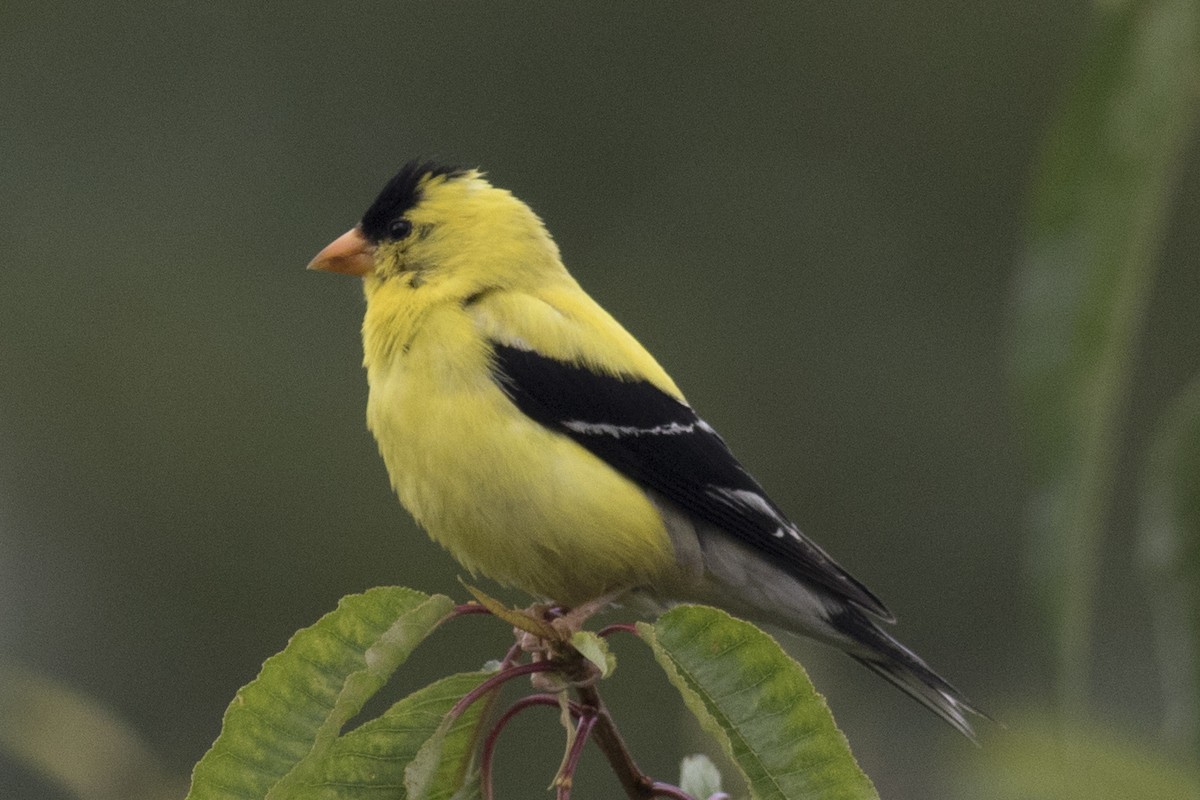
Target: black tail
pixel 879 652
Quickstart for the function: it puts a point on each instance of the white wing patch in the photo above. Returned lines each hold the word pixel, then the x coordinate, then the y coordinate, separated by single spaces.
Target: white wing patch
pixel 620 431
pixel 757 503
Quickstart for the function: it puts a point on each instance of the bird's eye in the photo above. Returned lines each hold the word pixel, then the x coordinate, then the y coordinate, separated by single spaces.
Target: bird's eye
pixel 399 228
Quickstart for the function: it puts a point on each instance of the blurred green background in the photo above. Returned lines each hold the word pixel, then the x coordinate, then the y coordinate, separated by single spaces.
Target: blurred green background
pixel 813 214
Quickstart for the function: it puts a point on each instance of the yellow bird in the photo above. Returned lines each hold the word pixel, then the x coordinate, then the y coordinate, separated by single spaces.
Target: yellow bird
pixel 544 447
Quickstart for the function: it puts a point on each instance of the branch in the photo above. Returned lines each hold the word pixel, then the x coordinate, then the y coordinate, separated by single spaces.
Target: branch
pixel 500 678
pixel 637 785
pixel 617 627
pixel 489 744
pixel 567 774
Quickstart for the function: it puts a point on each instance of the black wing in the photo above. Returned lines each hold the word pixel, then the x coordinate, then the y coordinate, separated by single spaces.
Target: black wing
pixel 662 444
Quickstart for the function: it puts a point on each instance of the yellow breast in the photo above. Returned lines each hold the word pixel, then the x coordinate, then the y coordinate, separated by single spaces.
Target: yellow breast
pixel 510 499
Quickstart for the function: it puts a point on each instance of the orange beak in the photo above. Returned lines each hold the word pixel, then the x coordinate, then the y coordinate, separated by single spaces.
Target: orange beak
pixel 349 254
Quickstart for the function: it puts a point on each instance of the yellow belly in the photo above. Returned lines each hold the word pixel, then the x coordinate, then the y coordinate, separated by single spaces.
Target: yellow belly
pixel 511 500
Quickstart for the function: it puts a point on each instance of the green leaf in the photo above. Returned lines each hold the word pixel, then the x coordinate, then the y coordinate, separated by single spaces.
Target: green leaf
pixel 1102 200
pixel 759 705
pixel 440 768
pixel 1170 537
pixel 699 776
pixel 1039 758
pixel 280 724
pixel 370 761
pixel 595 650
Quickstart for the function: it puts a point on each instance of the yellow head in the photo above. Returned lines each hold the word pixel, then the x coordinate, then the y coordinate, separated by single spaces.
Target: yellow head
pixel 446 231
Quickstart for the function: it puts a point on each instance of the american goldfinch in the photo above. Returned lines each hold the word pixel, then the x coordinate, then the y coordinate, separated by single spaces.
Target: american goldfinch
pixel 533 437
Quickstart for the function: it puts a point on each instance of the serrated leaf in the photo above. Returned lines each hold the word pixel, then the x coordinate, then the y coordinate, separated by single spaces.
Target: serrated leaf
pixel 369 762
pixel 280 724
pixel 699 776
pixel 758 703
pixel 595 650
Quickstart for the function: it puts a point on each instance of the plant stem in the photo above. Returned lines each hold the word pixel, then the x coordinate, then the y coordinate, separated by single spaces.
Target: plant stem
pixel 637 785
pixel 512 656
pixel 566 776
pixel 500 678
pixel 463 609
pixel 618 627
pixel 489 744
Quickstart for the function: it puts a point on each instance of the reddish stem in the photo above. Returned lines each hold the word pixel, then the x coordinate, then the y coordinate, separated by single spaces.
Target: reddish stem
pixel 512 656
pixel 591 712
pixel 637 784
pixel 489 744
pixel 499 679
pixel 463 609
pixel 619 627
pixel 567 777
